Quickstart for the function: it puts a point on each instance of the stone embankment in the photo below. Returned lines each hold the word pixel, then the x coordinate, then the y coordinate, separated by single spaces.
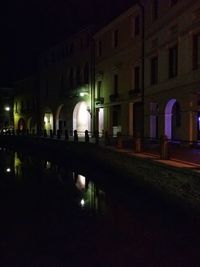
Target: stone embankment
pixel 177 182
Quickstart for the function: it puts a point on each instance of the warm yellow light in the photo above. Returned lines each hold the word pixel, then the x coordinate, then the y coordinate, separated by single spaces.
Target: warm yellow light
pixel 45 119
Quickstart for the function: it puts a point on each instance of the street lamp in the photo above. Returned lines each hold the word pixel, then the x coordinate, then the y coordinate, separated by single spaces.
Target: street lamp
pixel 7 108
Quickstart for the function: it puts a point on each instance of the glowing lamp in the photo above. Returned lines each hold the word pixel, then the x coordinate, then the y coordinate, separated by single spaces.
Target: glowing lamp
pixel 82 94
pixel 7 108
pixel 82 202
pixel 8 170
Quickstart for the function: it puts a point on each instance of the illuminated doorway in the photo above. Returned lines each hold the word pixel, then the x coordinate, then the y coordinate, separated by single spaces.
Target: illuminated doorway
pixel 81 118
pixel 100 121
pixel 21 124
pixel 172 119
pixel 48 121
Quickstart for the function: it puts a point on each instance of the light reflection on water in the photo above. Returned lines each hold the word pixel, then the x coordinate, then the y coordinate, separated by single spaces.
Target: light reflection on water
pixel 52 214
pixel 88 196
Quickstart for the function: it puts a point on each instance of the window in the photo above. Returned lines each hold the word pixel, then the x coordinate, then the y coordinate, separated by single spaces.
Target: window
pixel 115 38
pixel 61 84
pixel 154 10
pixel 116 115
pixel 71 78
pixel 22 106
pixel 137 25
pixel 173 2
pixel 99 48
pixel 47 89
pixel 173 61
pixel 115 84
pixel 196 51
pixel 16 108
pixel 86 73
pixel 78 75
pixel 99 84
pixel 154 70
pixel 115 118
pixel 137 79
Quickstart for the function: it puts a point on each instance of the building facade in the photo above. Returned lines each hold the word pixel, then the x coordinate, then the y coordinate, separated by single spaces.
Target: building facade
pixel 6 108
pixel 139 73
pixel 172 49
pixel 25 105
pixel 66 80
pixel 118 74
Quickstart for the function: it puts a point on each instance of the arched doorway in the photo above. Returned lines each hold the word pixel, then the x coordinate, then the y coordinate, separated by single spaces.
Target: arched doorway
pixel 21 124
pixel 172 119
pixel 31 124
pixel 48 120
pixel 81 118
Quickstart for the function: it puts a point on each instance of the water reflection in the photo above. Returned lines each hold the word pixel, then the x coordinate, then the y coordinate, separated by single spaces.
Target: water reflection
pixel 54 211
pixel 92 197
pixel 17 165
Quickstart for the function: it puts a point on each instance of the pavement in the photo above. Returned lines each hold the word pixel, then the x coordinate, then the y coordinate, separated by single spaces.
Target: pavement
pixel 179 156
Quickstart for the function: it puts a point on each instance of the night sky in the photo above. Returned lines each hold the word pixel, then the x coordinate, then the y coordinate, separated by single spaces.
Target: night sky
pixel 30 26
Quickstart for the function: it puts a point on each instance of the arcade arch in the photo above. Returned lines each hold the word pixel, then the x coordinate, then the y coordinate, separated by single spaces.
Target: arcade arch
pixel 81 118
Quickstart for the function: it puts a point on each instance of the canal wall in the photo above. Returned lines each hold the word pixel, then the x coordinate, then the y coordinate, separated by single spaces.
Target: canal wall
pixel 175 183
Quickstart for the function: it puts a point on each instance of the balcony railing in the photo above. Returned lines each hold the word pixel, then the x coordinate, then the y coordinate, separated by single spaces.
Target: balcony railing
pixel 99 101
pixel 114 97
pixel 134 92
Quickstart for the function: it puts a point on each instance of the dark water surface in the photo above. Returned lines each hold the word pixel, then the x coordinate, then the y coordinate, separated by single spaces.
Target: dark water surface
pixel 56 216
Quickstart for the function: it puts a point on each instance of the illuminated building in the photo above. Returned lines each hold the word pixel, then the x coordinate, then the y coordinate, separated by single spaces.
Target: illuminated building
pixel 6 106
pixel 25 106
pixel 118 92
pixel 172 69
pixel 66 74
pixel 125 77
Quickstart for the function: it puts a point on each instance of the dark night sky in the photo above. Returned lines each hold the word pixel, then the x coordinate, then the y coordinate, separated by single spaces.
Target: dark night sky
pixel 29 26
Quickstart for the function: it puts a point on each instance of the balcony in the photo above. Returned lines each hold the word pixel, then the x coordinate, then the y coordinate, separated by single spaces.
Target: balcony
pixel 99 101
pixel 134 92
pixel 114 97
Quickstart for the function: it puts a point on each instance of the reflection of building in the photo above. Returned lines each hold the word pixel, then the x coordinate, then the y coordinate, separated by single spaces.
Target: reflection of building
pixel 6 108
pixel 118 74
pixel 66 84
pixel 92 197
pixel 25 105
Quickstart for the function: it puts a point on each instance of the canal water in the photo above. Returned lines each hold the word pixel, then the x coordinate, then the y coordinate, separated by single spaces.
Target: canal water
pixel 55 215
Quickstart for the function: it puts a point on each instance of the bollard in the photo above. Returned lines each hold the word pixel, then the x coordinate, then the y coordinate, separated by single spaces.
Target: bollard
pixel 45 133
pixel 87 136
pixel 75 136
pixel 96 136
pixel 66 135
pixel 58 134
pixel 164 147
pixel 119 140
pixel 51 133
pixel 138 146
